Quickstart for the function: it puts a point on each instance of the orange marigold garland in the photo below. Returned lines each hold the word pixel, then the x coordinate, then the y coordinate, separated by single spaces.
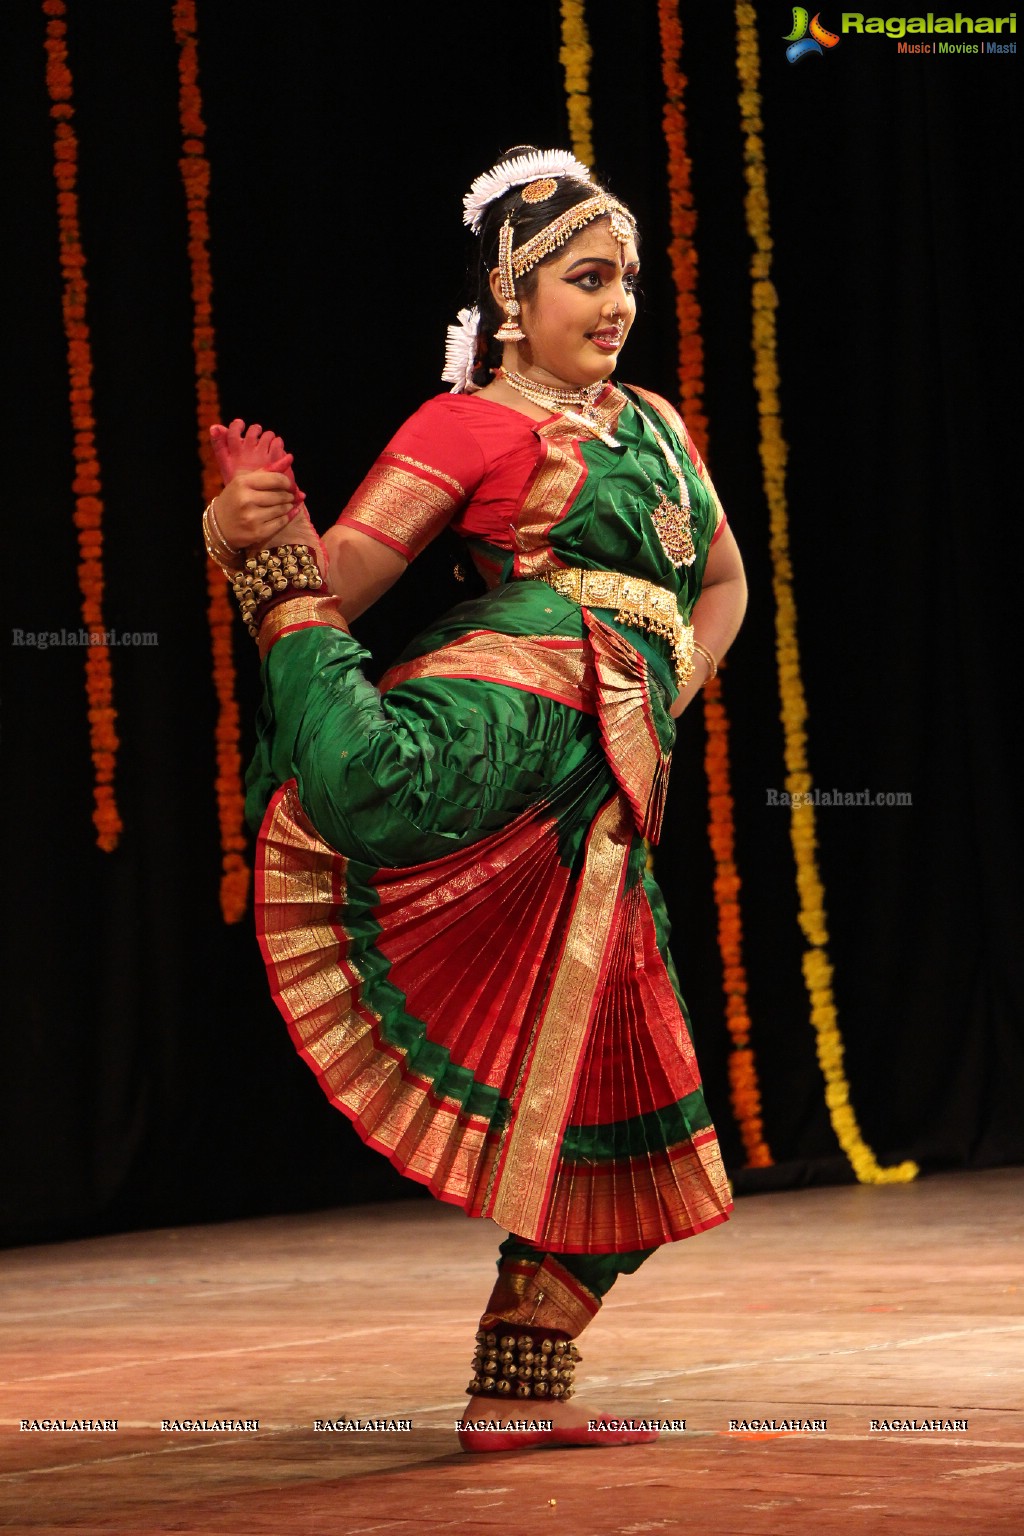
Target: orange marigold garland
pixel 745 1093
pixel 88 515
pixel 195 173
pixel 745 1090
pixel 682 222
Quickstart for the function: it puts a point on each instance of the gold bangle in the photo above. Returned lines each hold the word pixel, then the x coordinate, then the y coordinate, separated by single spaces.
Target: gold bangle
pixel 212 514
pixel 217 547
pixel 702 650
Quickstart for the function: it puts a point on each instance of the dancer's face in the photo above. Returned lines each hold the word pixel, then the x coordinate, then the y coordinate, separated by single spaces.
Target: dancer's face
pixel 581 310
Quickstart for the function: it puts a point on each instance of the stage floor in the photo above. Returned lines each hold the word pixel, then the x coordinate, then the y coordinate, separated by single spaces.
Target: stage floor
pixel 847 1305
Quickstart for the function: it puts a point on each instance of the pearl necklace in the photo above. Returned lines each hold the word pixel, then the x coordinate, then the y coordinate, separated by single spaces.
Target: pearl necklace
pixel 577 404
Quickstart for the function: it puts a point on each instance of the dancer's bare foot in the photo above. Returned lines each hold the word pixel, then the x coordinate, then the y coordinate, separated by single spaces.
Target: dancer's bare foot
pixel 260 505
pixel 486 1420
pixel 240 449
pixel 300 530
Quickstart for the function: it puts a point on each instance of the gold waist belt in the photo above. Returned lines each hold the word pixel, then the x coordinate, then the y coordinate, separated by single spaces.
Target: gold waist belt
pixel 636 602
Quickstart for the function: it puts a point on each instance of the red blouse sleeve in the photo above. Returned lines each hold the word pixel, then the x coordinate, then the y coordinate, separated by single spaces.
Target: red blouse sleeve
pixel 425 475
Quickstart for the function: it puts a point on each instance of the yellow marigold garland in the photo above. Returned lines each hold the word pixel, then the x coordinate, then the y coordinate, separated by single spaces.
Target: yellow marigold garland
pixel 195 173
pixel 575 60
pixel 86 485
pixel 682 222
pixel 745 1093
pixel 817 969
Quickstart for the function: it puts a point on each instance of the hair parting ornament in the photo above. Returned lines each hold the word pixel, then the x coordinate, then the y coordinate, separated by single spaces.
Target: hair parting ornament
pixel 537 173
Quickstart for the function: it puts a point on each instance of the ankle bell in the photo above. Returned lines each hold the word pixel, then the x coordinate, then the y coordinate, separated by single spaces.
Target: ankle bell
pixel 523 1366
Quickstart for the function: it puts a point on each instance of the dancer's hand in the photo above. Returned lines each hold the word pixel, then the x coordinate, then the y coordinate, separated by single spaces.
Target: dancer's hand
pixel 239 449
pixel 255 511
pixel 255 508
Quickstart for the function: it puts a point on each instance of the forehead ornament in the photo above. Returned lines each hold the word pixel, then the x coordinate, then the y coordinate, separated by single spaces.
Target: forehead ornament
pixel 569 223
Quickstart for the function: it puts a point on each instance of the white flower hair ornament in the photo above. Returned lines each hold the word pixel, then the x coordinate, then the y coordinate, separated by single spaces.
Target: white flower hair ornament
pixel 517 172
pixel 460 353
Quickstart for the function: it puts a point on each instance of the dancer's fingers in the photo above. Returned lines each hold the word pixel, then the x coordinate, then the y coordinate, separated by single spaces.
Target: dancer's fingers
pixel 269 479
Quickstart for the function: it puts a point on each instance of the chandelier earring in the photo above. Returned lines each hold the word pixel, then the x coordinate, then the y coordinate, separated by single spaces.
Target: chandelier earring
pixel 510 329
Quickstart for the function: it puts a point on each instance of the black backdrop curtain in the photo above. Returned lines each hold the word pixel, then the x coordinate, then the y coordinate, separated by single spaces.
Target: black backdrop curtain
pixel 148 1078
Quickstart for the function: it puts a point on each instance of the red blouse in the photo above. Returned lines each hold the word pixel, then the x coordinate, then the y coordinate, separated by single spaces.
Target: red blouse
pixel 458 460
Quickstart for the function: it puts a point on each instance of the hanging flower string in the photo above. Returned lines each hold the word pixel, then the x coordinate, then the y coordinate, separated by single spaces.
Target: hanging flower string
pixel 195 173
pixel 745 1093
pixel 682 222
pixel 86 485
pixel 575 59
pixel 817 968
pixel 744 1086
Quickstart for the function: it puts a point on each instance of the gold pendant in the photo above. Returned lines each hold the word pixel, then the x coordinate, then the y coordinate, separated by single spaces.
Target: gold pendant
pixel 672 525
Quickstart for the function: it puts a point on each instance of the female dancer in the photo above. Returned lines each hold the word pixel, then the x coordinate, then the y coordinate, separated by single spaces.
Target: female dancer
pixel 452 891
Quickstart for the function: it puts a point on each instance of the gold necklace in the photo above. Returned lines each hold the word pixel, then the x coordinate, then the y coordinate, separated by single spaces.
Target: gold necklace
pixel 577 404
pixel 671 521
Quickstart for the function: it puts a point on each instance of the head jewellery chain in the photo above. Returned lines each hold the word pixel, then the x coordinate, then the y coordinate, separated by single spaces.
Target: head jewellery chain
pixel 537 173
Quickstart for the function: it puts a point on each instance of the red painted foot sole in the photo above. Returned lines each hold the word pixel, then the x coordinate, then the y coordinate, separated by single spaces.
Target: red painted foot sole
pixel 580 1437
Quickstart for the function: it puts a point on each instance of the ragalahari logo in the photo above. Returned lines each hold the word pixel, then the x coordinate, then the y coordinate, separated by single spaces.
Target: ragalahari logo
pixel 808 35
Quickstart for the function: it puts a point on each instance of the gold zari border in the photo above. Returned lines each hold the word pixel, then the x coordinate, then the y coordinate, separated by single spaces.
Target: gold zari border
pixel 317 988
pixel 403 508
pixel 539 1117
pixel 428 469
pixel 530 662
pixel 556 483
pixel 539 1293
pixel 301 612
pixel 628 731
